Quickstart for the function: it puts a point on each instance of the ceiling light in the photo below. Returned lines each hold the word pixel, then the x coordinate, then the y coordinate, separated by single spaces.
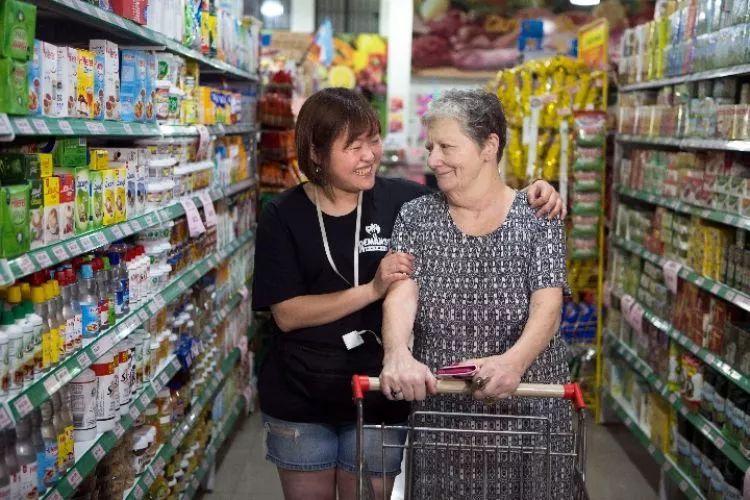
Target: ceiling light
pixel 585 3
pixel 273 8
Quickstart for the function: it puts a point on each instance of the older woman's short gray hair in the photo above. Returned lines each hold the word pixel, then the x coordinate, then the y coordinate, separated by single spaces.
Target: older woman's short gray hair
pixel 479 113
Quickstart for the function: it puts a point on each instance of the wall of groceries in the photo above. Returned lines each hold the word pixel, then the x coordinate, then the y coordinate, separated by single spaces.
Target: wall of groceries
pixel 127 211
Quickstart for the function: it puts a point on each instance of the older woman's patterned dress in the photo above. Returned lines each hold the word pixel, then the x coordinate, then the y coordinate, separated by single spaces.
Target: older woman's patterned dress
pixel 474 302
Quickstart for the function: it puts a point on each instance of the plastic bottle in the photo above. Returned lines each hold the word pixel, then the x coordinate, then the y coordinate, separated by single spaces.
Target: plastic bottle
pixel 19 312
pixel 41 353
pixel 101 287
pixel 58 421
pixel 4 476
pixel 15 352
pixel 109 291
pixel 83 405
pixel 36 323
pixel 68 313
pixel 49 435
pixel 130 264
pixel 145 273
pixel 11 463
pixel 89 303
pixel 4 363
pixel 76 304
pixel 116 281
pixel 67 418
pixel 106 399
pixel 123 375
pixel 54 324
pixel 116 384
pixel 27 463
pixel 62 332
pixel 38 441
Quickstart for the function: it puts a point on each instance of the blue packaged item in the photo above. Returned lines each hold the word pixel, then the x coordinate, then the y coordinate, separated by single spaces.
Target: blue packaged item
pixel 129 86
pixel 532 35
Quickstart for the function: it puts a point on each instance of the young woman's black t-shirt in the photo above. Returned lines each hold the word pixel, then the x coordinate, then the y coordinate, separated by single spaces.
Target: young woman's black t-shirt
pixel 301 378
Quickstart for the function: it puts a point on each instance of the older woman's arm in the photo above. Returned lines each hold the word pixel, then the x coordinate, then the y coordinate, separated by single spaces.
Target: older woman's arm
pixel 403 377
pixel 502 373
pixel 545 199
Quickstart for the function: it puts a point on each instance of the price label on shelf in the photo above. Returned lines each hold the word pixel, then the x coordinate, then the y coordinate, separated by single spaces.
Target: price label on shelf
pixel 100 239
pixel 60 253
pixel 195 223
pixel 710 358
pixel 145 399
pixel 23 405
pixel 55 495
pixel 150 220
pixel 119 430
pixel 134 412
pixel 164 378
pixel 41 126
pixel 138 492
pixel 42 258
pixel 142 315
pixel 148 478
pixel 695 348
pixel 159 301
pixel 73 247
pixel 96 128
pixel 159 464
pixel 635 317
pixel 153 308
pixel 126 126
pixel 65 127
pixel 117 232
pixel 176 364
pixel 83 359
pixel 74 478
pixel 136 225
pixel 24 127
pixel 700 280
pixel 24 262
pixel 98 452
pixel 209 212
pixel 51 384
pixel 742 301
pixel 671 271
pixel 5 420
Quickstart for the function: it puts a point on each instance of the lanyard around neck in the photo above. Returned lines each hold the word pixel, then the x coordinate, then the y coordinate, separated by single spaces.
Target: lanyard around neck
pixel 327 247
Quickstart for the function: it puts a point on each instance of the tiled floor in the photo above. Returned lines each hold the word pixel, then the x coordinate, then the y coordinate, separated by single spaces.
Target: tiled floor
pixel 618 468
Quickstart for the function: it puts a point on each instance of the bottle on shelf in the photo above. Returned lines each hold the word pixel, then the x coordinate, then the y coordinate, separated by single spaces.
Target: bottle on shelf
pixel 27 463
pixel 123 375
pixel 109 287
pixel 19 313
pixel 89 303
pixel 133 282
pixel 4 475
pixel 62 331
pixel 101 293
pixel 106 397
pixel 11 463
pixel 55 323
pixel 5 373
pixel 36 322
pixel 118 281
pixel 58 421
pixel 15 352
pixel 67 418
pixel 38 441
pixel 71 313
pixel 75 295
pixel 83 404
pixel 49 435
pixel 40 309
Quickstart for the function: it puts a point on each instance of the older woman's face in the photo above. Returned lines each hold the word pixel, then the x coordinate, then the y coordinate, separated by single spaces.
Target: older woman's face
pixel 453 156
pixel 352 167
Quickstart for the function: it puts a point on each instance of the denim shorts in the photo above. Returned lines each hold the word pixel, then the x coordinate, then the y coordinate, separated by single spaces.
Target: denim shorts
pixel 314 447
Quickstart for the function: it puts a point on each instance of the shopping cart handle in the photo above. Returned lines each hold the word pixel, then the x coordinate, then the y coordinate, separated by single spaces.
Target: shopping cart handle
pixel 571 392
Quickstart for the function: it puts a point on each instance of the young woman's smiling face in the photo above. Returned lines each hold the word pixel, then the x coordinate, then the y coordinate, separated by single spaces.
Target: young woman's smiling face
pixel 352 167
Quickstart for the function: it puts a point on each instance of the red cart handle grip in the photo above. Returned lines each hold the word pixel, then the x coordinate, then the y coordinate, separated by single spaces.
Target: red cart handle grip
pixel 571 392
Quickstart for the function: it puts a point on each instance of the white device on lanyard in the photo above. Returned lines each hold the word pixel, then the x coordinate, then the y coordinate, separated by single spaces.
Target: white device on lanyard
pixel 327 247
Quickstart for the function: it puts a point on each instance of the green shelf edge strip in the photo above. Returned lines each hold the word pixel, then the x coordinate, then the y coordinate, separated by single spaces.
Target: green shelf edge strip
pixel 667 464
pixel 681 206
pixel 38 392
pixel 739 69
pixel 208 459
pixel 66 486
pixel 687 143
pixel 702 353
pixel 716 288
pixel 156 466
pixel 699 422
pixel 44 257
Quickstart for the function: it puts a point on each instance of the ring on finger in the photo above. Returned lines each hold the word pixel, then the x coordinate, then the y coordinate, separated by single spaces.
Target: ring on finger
pixel 397 394
pixel 480 382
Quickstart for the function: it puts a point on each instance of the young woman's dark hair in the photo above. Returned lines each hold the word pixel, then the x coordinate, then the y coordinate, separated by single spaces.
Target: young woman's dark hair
pixel 323 118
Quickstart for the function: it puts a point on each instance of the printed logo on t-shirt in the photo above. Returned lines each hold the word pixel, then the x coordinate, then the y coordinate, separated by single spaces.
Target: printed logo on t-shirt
pixel 374 243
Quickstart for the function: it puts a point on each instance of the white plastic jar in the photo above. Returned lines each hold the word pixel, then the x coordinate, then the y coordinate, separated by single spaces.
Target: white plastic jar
pixel 83 393
pixel 107 400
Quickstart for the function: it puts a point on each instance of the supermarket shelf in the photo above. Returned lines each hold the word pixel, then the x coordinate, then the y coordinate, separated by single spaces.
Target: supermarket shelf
pixel 44 257
pixel 703 75
pixel 716 144
pixel 86 464
pixel 109 22
pixel 716 288
pixel 210 455
pixel 38 392
pixel 685 484
pixel 46 126
pixel 701 424
pixel 167 451
pixel 240 186
pixel 708 357
pixel 680 206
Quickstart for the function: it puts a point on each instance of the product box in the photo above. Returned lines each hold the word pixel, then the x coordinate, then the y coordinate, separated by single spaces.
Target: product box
pixel 35 80
pixel 51 215
pixel 17 29
pixel 150 87
pixel 81 195
pixel 42 79
pixel 122 157
pixel 109 183
pixel 46 164
pixel 121 198
pixel 129 86
pixel 67 152
pixel 135 10
pixel 132 190
pixel 141 101
pixel 96 199
pixel 67 206
pixel 14 87
pixel 14 201
pixel 18 168
pixel 85 84
pixel 107 80
pixel 98 159
pixel 67 82
pixel 36 213
pixel 140 195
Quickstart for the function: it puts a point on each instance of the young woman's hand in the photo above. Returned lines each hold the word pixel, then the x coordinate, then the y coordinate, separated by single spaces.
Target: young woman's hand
pixel 546 201
pixel 394 267
pixel 405 378
pixel 497 377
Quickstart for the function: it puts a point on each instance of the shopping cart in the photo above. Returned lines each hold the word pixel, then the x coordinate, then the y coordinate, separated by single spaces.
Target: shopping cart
pixel 507 456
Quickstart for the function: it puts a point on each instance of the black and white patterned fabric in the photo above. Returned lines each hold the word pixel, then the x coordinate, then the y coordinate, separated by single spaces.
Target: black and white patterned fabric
pixel 474 302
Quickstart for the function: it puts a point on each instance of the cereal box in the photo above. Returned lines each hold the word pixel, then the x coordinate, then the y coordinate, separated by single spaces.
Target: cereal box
pixel 14 203
pixel 129 87
pixel 96 199
pixel 67 205
pixel 36 213
pixel 51 214
pixel 121 198
pixel 109 183
pixel 17 29
pixel 107 91
pixel 85 84
pixel 67 82
pixel 14 87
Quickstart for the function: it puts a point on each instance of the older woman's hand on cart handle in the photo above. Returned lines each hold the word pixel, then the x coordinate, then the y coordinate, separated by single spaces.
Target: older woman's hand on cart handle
pixel 405 378
pixel 497 377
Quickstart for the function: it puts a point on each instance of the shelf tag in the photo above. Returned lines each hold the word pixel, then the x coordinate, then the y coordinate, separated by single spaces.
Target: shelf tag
pixel 135 225
pixel 86 243
pixel 671 271
pixel 138 491
pixel 74 479
pixel 117 232
pixel 126 126
pixel 65 127
pixel 209 211
pixel 41 126
pixel 5 420
pixel 96 127
pixel 195 224
pixel 23 126
pixel 55 495
pixel 43 259
pixel 23 405
pixel 83 360
pixel 134 412
pixel 24 262
pixel 119 430
pixel 98 452
pixel 60 253
pixel 101 239
pixel 73 247
pixel 51 385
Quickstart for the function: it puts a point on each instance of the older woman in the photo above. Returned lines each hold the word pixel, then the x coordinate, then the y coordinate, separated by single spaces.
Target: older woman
pixel 486 290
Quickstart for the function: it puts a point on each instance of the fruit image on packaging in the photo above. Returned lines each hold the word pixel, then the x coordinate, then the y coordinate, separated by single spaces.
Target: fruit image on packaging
pixel 15 219
pixel 17 29
pixel 67 82
pixel 82 201
pixel 96 199
pixel 109 182
pixel 121 187
pixel 85 84
pixel 99 101
pixel 67 206
pixel 14 82
pixel 51 217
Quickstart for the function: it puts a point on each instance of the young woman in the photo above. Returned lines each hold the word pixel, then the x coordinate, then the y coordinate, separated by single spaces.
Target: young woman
pixel 322 267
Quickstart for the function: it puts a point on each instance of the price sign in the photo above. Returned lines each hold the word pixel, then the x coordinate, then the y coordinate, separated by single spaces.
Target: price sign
pixel 153 308
pixel 73 247
pixel 126 126
pixel 148 479
pixel 742 301
pixel 101 239
pixel 117 232
pixel 98 452
pixel 150 220
pixel 635 318
pixel 65 127
pixel 195 224
pixel 142 315
pixel 42 258
pixel 23 405
pixel 134 412
pixel 83 359
pixel 138 491
pixel 135 225
pixel 74 479
pixel 159 464
pixel 24 262
pixel 60 253
pixel 96 128
pixel 671 271
pixel 164 378
pixel 23 126
pixel 208 208
pixel 700 280
pixel 41 126
pixel 87 244
pixel 119 430
pixel 159 301
pixel 103 345
pixel 5 420
pixel 55 495
pixel 51 385
pixel 710 358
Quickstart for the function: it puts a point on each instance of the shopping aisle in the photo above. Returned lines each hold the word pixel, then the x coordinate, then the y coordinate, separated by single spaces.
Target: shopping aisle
pixel 616 467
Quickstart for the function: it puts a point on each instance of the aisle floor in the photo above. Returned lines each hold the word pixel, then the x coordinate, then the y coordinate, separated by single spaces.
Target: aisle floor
pixel 618 468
